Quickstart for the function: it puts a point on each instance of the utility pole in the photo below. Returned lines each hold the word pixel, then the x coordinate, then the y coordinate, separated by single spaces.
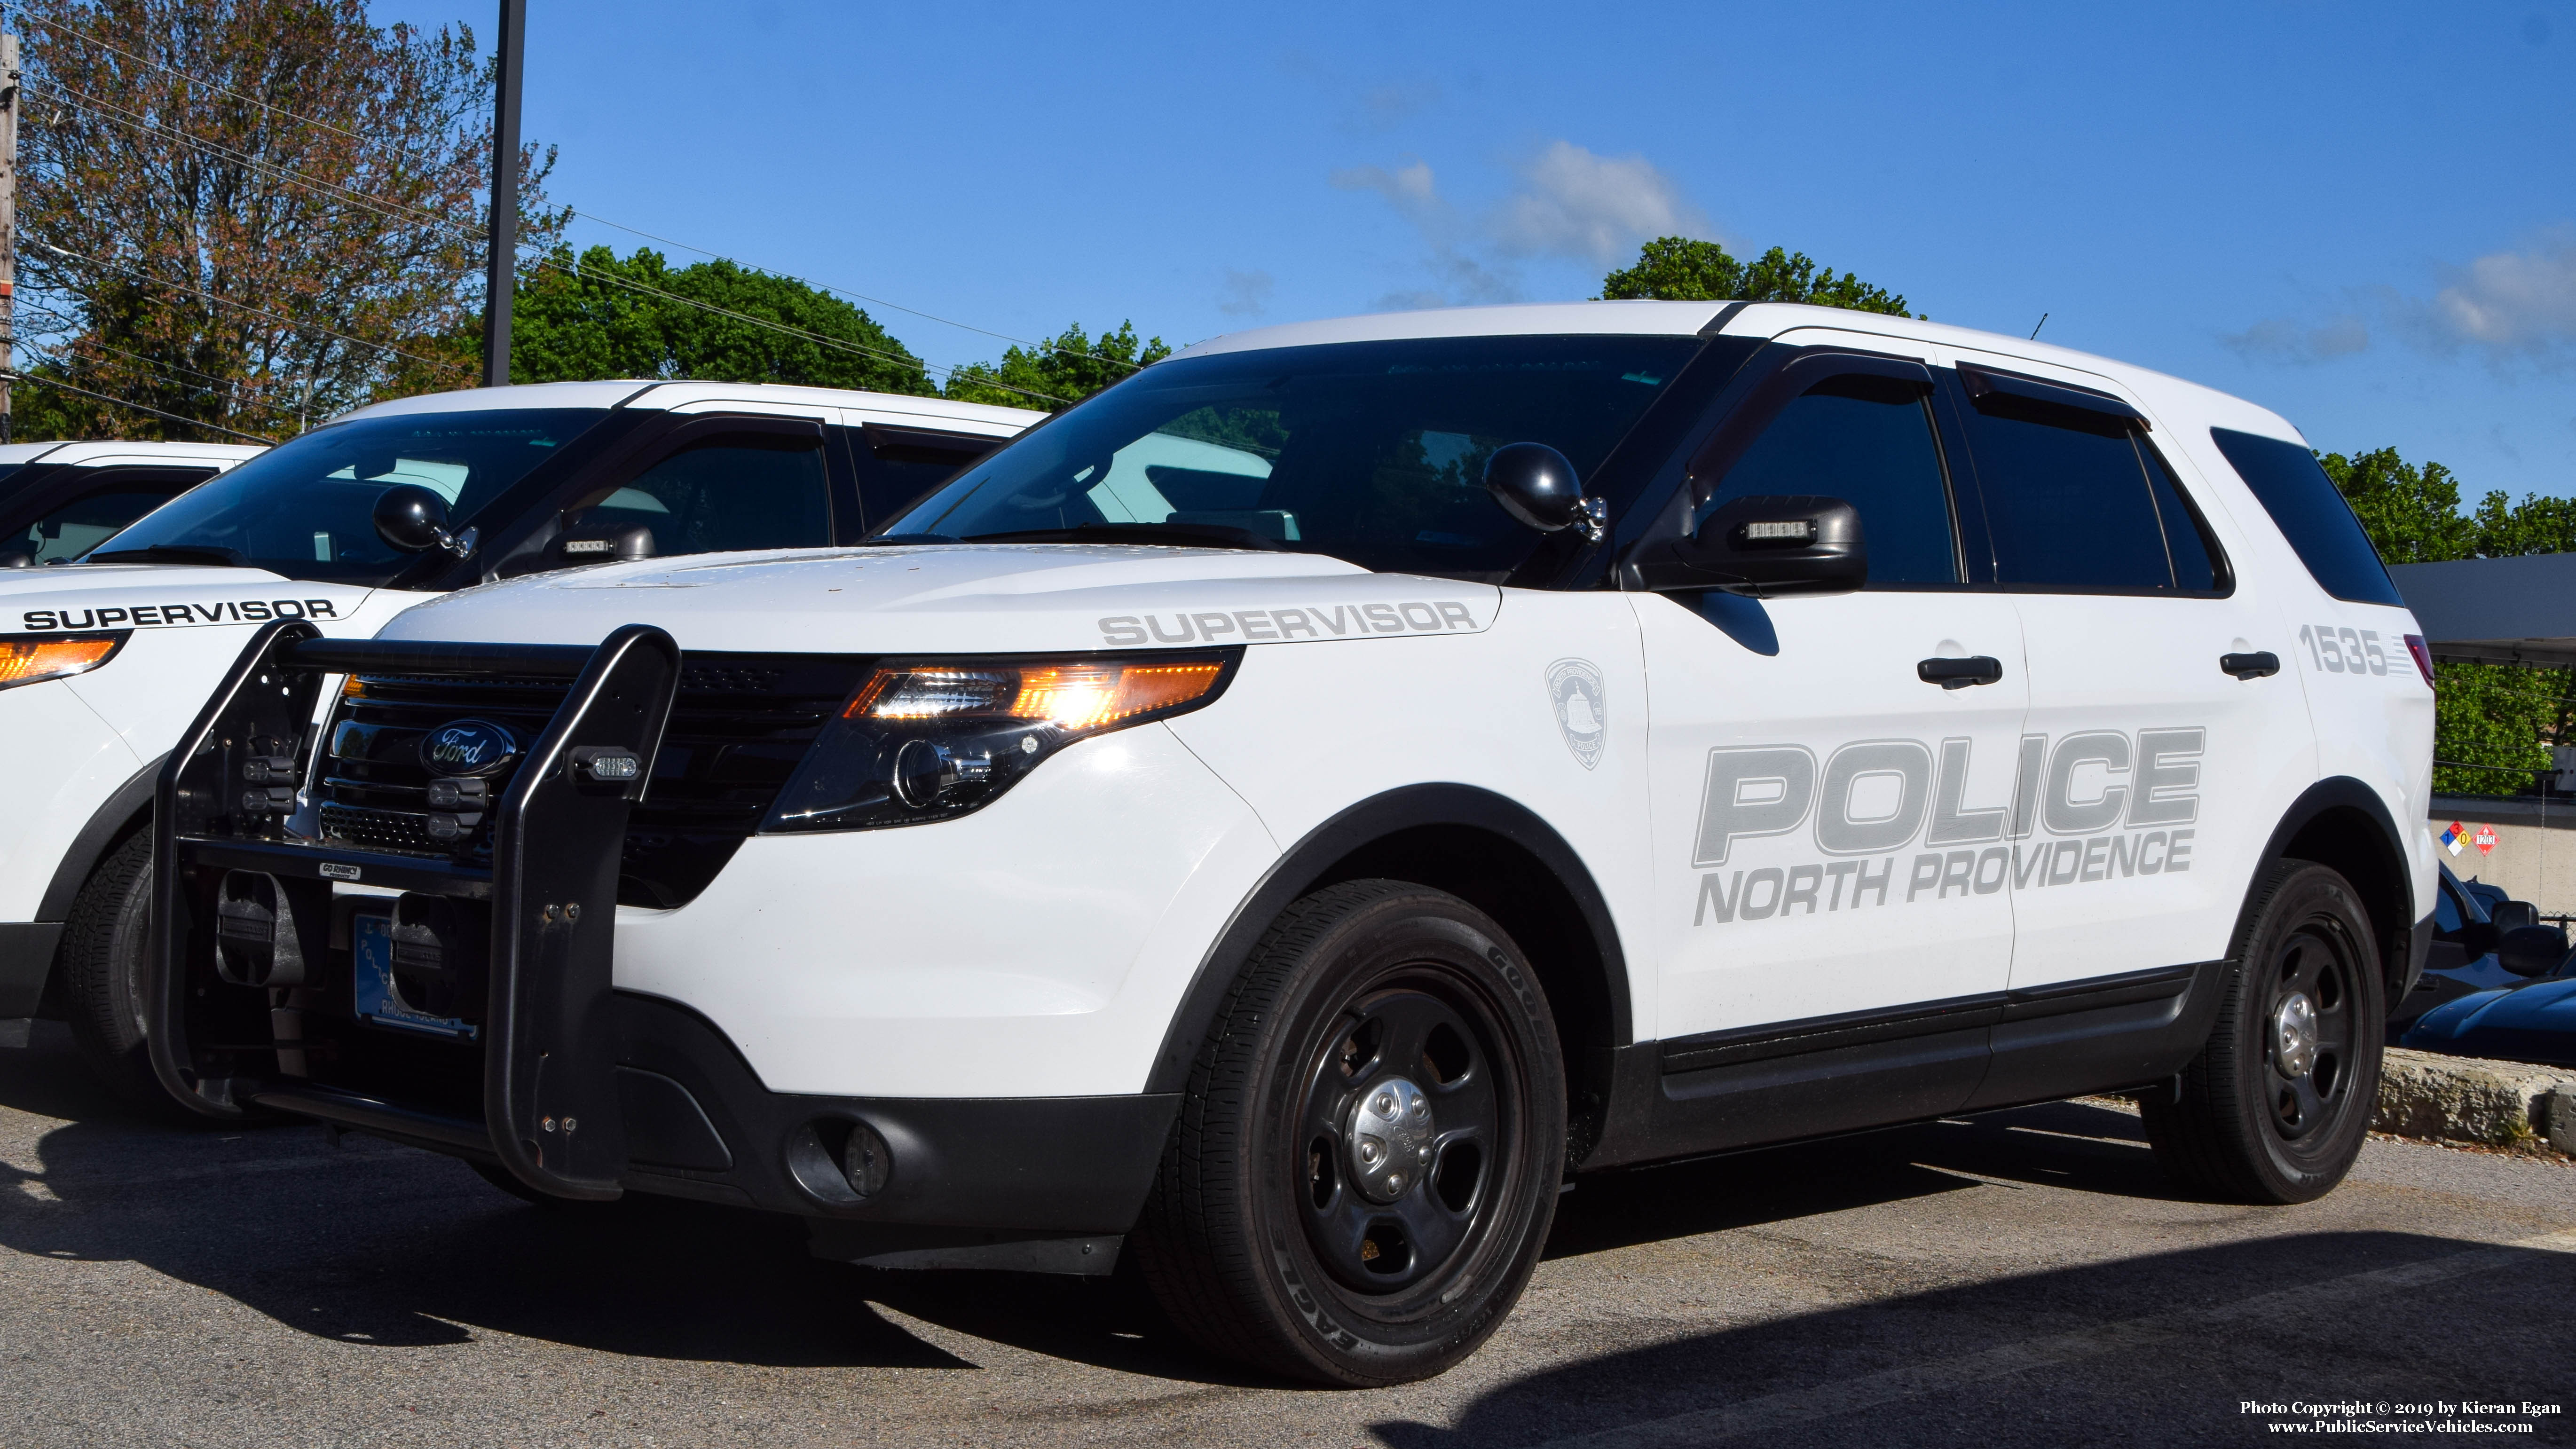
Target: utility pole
pixel 505 195
pixel 8 222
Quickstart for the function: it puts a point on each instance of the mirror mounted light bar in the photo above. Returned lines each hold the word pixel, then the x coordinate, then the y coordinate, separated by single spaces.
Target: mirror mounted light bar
pixel 1766 546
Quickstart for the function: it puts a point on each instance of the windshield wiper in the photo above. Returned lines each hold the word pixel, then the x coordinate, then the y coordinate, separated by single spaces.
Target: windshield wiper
pixel 170 553
pixel 1168 535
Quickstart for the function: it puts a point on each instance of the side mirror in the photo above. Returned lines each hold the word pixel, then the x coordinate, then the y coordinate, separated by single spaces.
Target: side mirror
pixel 2532 950
pixel 17 556
pixel 414 519
pixel 1536 485
pixel 1766 546
pixel 2508 915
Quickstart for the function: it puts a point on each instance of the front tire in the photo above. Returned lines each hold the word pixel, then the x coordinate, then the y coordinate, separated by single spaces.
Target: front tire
pixel 1369 1152
pixel 102 959
pixel 2275 1107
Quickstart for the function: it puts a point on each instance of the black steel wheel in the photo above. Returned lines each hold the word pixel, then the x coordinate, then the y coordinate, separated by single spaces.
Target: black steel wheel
pixel 1370 1148
pixel 2275 1107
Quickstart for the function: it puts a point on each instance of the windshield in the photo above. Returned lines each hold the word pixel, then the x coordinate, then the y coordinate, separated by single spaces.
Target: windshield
pixel 1372 452
pixel 305 508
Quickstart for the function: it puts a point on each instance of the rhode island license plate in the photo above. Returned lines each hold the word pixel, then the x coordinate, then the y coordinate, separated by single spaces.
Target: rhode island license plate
pixel 371 948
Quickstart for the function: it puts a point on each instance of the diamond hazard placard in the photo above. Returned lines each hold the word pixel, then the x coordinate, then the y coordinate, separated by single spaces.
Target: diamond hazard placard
pixel 2486 840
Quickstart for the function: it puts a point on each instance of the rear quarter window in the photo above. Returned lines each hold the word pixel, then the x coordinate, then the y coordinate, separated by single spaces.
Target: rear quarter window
pixel 2311 514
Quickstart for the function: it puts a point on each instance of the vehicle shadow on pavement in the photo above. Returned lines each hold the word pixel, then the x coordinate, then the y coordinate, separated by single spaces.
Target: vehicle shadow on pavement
pixel 2162 1348
pixel 369 1243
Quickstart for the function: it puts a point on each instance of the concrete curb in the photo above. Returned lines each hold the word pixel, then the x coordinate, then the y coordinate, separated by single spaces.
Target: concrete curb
pixel 2465 1099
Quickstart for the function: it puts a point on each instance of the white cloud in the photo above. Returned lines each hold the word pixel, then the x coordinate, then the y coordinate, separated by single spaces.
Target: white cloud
pixel 1572 203
pixel 2511 306
pixel 1246 294
pixel 2513 303
pixel 2287 339
pixel 1568 204
pixel 1410 189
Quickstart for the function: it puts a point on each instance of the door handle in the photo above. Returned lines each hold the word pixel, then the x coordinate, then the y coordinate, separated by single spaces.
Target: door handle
pixel 1960 673
pixel 2250 666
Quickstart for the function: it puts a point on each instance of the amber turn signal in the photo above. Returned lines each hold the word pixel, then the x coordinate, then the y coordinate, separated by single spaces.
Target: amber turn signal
pixel 26 660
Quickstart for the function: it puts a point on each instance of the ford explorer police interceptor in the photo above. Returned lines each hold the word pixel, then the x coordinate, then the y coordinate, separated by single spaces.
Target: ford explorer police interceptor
pixel 104 661
pixel 1277 820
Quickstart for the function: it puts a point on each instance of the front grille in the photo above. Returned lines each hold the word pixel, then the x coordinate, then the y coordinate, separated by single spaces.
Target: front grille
pixel 738 728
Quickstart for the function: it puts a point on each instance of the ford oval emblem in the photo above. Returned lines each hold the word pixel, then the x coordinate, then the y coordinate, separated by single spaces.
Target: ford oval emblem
pixel 468 747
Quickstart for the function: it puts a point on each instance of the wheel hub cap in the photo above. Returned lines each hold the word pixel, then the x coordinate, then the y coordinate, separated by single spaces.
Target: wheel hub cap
pixel 1389 1139
pixel 2294 1035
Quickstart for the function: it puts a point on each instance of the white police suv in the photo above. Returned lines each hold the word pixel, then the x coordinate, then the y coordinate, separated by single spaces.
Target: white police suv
pixel 1281 817
pixel 109 644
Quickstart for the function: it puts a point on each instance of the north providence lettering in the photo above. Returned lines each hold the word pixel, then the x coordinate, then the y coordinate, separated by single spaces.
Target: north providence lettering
pixel 1262 626
pixel 2112 798
pixel 246 611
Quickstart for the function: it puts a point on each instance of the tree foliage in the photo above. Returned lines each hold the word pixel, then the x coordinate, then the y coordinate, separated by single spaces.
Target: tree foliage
pixel 1679 269
pixel 186 241
pixel 599 315
pixel 2495 720
pixel 1059 372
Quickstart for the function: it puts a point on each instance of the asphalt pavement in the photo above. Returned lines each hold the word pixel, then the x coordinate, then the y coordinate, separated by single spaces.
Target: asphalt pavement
pixel 2022 1278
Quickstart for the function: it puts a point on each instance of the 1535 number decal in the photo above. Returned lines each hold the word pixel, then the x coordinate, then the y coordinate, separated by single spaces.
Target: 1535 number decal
pixel 2335 649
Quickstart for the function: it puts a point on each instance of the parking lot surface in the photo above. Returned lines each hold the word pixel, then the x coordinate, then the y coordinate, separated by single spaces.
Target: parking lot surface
pixel 2026 1277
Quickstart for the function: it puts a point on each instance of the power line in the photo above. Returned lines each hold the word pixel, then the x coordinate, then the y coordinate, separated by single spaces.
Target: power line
pixel 189 76
pixel 136 406
pixel 246 307
pixel 951 368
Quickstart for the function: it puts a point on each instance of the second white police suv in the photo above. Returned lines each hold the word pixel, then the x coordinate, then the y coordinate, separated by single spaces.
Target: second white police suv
pixel 1279 820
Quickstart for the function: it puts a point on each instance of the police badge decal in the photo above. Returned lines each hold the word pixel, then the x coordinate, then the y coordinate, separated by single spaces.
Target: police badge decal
pixel 1582 708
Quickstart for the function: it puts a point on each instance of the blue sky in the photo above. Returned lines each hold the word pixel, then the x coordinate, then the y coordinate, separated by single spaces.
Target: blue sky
pixel 2363 216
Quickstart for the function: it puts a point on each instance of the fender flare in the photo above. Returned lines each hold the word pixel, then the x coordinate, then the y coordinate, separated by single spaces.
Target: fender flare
pixel 2404 944
pixel 129 806
pixel 1304 866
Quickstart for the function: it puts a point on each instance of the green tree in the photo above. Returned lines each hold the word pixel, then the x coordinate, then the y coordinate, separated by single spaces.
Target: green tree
pixel 2412 514
pixel 1059 372
pixel 597 315
pixel 1678 269
pixel 2495 720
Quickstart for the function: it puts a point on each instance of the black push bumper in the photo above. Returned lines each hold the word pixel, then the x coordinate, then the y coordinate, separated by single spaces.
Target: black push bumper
pixel 575 1088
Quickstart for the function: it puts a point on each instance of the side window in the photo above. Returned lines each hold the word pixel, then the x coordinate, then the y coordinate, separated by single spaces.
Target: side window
pixel 2311 514
pixel 898 467
pixel 76 528
pixel 2076 500
pixel 727 493
pixel 1868 441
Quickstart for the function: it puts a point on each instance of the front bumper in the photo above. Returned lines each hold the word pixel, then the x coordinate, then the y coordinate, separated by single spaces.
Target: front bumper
pixel 577 1089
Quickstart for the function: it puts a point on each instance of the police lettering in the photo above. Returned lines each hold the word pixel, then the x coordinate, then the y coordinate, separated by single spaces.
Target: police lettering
pixel 2115 798
pixel 1262 626
pixel 157 616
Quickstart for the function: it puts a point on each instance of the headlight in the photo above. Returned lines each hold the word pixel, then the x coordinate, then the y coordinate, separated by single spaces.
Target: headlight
pixel 32 658
pixel 929 739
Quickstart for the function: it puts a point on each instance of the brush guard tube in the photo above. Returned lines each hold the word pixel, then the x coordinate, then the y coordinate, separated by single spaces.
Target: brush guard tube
pixel 550 1096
